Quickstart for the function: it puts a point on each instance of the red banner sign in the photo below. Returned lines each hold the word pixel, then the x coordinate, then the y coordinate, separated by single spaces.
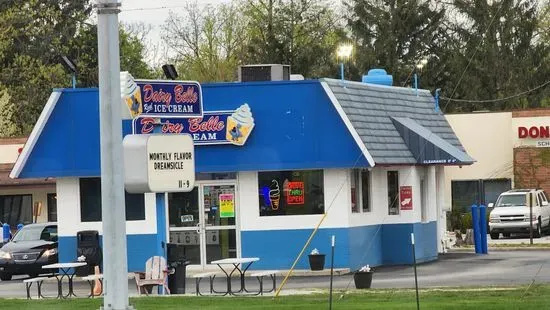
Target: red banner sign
pixel 405 198
pixel 295 194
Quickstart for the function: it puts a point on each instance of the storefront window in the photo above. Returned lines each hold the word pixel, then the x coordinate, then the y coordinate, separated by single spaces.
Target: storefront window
pixel 90 202
pixel 291 192
pixel 393 192
pixel 360 191
pixel 355 191
pixel 52 208
pixel 16 209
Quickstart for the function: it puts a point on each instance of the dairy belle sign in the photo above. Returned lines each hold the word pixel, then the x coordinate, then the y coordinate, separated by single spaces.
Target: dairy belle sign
pixel 224 127
pixel 159 163
pixel 161 98
pixel 540 133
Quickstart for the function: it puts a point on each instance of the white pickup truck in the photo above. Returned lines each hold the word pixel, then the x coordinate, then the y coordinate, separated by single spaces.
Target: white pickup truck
pixel 511 214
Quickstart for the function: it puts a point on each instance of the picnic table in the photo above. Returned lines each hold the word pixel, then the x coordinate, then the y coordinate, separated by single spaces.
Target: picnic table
pixel 64 269
pixel 244 264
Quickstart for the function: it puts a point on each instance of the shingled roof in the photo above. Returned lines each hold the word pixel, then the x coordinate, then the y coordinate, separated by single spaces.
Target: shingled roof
pixel 373 109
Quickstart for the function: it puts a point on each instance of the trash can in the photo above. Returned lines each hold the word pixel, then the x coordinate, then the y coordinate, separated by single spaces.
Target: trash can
pixel 87 245
pixel 177 266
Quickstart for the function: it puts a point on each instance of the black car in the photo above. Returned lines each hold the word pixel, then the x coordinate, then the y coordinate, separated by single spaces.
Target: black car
pixel 32 247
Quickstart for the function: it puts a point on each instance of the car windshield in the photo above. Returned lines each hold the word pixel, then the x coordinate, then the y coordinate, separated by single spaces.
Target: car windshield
pixel 511 200
pixel 35 233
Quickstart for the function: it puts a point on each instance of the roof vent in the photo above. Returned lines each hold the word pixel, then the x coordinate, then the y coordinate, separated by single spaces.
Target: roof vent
pixel 378 76
pixel 264 72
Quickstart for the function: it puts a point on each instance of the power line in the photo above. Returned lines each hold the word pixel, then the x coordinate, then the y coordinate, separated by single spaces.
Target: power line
pixel 473 55
pixel 501 99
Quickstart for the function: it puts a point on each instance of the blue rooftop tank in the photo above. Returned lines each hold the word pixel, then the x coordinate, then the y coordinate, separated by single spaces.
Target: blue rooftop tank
pixel 378 76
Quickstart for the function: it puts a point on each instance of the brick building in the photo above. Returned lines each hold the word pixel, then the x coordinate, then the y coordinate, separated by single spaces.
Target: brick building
pixel 23 200
pixel 511 149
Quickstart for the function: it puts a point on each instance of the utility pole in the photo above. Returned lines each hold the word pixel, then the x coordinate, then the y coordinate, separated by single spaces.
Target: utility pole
pixel 112 174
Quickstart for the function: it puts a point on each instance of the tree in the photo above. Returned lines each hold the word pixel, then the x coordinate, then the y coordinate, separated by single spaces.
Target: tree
pixel 500 54
pixel 396 34
pixel 33 36
pixel 34 33
pixel 301 33
pixel 207 42
pixel 84 53
pixel 7 112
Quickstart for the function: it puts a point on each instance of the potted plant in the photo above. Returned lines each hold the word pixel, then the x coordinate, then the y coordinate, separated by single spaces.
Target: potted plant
pixel 363 277
pixel 316 260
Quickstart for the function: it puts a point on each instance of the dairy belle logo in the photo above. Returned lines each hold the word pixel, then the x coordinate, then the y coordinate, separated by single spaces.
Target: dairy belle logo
pixel 223 127
pixel 161 98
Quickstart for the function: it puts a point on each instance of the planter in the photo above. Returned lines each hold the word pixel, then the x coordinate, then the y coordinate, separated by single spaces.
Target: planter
pixel 362 279
pixel 317 261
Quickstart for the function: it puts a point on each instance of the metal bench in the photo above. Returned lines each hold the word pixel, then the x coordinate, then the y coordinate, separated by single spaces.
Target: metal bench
pixel 38 281
pixel 199 276
pixel 260 276
pixel 91 279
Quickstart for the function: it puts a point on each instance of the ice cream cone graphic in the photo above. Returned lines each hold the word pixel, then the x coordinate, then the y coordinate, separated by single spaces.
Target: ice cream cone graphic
pixel 239 125
pixel 275 195
pixel 131 94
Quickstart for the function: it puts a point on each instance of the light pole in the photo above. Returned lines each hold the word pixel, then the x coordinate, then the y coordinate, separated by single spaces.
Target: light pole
pixel 419 66
pixel 112 173
pixel 343 53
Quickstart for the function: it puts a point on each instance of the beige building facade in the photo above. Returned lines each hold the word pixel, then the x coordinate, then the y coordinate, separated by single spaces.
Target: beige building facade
pixel 511 149
pixel 23 200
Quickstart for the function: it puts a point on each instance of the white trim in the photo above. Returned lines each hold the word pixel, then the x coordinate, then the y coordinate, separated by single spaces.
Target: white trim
pixel 348 123
pixel 35 134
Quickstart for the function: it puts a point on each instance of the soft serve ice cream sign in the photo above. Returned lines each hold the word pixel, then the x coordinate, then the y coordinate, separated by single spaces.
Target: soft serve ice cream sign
pixel 172 107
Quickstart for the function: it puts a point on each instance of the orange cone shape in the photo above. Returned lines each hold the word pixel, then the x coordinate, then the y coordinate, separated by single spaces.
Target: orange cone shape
pixel 97 285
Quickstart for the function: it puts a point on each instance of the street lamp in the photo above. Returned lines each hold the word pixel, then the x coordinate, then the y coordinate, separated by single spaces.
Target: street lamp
pixel 421 64
pixel 70 66
pixel 343 52
pixel 170 71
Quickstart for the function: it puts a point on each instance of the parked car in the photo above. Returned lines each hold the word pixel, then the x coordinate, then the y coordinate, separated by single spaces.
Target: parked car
pixel 511 214
pixel 32 247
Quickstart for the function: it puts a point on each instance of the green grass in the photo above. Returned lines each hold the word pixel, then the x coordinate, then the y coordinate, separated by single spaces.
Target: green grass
pixel 460 298
pixel 513 245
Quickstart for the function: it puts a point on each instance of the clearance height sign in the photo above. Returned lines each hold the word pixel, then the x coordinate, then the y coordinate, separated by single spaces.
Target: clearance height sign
pixel 159 163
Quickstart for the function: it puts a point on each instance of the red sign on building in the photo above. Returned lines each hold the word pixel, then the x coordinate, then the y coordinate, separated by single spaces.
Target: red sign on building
pixel 405 198
pixel 295 194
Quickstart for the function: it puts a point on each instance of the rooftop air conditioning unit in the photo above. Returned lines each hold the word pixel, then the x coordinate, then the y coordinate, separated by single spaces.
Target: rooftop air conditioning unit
pixel 264 72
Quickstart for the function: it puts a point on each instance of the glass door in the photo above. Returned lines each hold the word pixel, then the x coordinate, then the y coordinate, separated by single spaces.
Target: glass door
pixel 184 221
pixel 219 203
pixel 203 220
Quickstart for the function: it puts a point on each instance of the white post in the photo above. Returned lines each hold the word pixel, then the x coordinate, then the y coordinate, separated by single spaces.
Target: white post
pixel 112 173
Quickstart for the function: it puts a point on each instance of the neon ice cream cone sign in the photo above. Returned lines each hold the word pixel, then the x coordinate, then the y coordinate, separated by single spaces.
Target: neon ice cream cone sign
pixel 275 195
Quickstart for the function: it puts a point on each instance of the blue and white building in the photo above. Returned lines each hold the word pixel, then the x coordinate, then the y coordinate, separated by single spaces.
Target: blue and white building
pixel 370 156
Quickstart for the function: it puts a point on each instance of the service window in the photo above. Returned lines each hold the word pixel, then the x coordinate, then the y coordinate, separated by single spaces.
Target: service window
pixel 298 192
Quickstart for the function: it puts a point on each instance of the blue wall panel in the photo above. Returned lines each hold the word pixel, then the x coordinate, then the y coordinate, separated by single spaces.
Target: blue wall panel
pixel 140 249
pixel 279 248
pixel 297 127
pixel 425 235
pixel 365 246
pixel 396 243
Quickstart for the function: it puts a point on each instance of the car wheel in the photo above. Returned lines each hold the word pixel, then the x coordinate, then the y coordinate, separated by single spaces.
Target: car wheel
pixel 495 235
pixel 506 235
pixel 5 276
pixel 538 232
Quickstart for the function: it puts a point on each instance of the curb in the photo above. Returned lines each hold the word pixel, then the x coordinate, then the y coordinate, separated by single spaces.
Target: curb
pixel 502 249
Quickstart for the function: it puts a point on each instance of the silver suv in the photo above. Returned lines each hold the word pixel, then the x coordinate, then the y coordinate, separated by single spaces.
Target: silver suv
pixel 511 214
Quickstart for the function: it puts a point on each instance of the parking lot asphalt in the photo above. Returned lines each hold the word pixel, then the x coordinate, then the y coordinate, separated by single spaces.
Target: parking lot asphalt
pixel 450 270
pixel 518 239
